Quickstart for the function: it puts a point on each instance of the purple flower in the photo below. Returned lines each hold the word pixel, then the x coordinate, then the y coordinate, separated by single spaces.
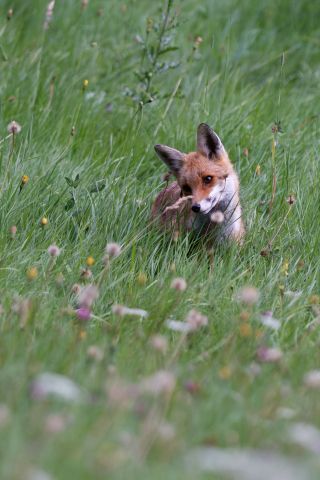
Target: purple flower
pixel 83 313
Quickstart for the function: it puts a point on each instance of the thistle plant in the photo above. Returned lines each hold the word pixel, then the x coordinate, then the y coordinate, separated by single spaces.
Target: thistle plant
pixel 155 45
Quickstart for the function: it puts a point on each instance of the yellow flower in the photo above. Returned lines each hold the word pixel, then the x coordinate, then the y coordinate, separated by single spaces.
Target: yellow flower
pixel 25 179
pixel 90 261
pixel 85 84
pixel 258 169
pixel 225 372
pixel 32 273
pixel 44 221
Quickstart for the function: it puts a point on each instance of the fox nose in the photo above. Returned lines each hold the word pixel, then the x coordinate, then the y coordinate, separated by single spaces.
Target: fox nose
pixel 195 207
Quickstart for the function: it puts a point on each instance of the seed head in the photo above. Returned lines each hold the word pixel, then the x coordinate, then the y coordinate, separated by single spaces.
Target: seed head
pixel 87 296
pixel 196 320
pixel 217 217
pixel 248 295
pixel 258 170
pixel 44 221
pixel 179 284
pixel 76 288
pixel 86 273
pixel 113 250
pixel 159 343
pixel 14 127
pixel 9 14
pixel 54 251
pixel 85 84
pixel 269 355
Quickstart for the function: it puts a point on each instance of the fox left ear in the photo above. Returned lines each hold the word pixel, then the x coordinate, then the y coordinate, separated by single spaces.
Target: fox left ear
pixel 171 157
pixel 208 141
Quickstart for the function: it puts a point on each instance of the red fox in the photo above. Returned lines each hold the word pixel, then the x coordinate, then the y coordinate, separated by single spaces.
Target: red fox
pixel 205 195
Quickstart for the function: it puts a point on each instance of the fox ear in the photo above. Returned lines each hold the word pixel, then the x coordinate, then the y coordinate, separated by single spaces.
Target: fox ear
pixel 170 156
pixel 208 141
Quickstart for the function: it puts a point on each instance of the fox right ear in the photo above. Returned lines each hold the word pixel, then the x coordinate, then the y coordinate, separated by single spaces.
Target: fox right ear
pixel 170 156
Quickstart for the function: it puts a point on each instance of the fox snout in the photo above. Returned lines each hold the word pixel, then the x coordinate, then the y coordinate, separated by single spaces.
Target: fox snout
pixel 196 207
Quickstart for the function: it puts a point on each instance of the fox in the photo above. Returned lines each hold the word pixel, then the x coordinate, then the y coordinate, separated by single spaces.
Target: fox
pixel 205 195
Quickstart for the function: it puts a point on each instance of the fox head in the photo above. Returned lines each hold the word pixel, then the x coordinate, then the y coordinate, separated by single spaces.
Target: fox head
pixel 202 174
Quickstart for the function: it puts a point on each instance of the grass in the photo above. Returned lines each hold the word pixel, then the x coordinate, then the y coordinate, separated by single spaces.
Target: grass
pixel 257 65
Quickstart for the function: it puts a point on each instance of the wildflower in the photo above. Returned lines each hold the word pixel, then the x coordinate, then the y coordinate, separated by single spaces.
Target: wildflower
pixel 248 295
pixel 159 343
pixel 9 14
pixel 14 127
pixel 87 296
pixel 54 251
pixel 49 14
pixel 32 273
pixel 44 221
pixel 121 311
pixel 24 179
pixel 90 261
pixel 73 131
pixel 291 199
pixel 113 250
pixel 285 267
pixel 13 231
pixel 217 217
pixel 84 3
pixel 142 279
pixel 85 84
pixel 258 170
pixel 83 313
pixel 196 320
pixel 161 382
pixel 268 321
pixel 86 273
pixel 269 355
pixel 95 353
pixel 179 284
pixel 312 379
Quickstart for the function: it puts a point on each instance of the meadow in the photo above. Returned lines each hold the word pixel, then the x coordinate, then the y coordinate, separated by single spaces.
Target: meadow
pixel 92 86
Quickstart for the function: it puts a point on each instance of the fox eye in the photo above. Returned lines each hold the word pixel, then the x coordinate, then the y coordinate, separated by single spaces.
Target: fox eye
pixel 186 190
pixel 207 179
